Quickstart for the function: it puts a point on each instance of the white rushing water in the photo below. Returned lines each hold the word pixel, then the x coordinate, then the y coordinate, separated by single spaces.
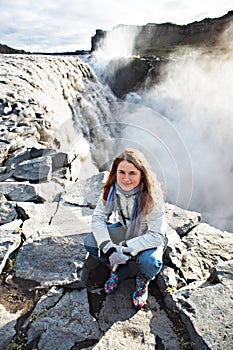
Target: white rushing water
pixel 184 125
pixel 70 97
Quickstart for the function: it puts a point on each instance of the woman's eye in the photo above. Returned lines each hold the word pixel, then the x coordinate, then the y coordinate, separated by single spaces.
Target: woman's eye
pixel 131 173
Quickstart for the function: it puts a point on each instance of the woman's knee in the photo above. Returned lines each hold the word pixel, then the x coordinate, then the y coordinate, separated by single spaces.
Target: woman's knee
pixel 90 244
pixel 150 263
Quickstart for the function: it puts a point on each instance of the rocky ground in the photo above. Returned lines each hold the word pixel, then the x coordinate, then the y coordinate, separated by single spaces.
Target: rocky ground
pixel 42 275
pixel 20 296
pixel 45 212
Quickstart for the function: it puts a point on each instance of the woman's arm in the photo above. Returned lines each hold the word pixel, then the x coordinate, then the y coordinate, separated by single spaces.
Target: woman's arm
pixel 99 224
pixel 154 236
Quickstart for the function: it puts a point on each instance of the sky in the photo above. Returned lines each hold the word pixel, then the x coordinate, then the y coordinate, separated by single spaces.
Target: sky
pixel 61 26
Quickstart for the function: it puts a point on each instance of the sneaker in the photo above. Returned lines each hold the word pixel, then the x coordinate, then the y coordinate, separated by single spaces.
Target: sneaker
pixel 140 294
pixel 112 283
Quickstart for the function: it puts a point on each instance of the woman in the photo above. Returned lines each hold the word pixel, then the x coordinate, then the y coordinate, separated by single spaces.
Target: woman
pixel 138 231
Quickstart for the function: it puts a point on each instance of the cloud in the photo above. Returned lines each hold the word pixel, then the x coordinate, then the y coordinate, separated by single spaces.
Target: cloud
pixel 68 25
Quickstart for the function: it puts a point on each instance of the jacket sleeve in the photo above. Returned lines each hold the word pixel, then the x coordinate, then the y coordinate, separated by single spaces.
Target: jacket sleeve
pixel 154 236
pixel 99 224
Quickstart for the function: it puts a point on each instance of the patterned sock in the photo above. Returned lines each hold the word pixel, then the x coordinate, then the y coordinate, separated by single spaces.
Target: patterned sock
pixel 140 294
pixel 112 283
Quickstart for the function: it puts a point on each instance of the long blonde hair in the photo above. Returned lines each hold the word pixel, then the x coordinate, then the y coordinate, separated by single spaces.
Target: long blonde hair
pixel 147 198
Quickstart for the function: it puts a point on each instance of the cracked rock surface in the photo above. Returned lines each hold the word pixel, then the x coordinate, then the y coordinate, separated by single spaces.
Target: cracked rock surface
pixel 45 213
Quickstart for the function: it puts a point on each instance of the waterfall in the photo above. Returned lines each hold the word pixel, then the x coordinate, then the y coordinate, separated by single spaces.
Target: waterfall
pixel 184 125
pixel 195 97
pixel 69 96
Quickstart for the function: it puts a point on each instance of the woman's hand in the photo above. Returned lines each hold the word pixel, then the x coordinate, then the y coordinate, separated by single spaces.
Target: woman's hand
pixel 118 257
pixel 109 246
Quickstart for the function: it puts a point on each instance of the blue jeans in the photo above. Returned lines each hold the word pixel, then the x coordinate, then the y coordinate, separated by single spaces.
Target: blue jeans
pixel 148 262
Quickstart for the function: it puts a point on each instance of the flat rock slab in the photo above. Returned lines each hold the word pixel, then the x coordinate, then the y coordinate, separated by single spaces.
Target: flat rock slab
pixel 207 312
pixel 53 219
pixel 127 329
pixel 22 192
pixel 38 169
pixel 117 306
pixel 206 246
pixel 51 260
pixel 70 219
pixel 62 321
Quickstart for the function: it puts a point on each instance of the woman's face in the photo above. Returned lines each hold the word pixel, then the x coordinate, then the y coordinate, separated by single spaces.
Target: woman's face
pixel 127 176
